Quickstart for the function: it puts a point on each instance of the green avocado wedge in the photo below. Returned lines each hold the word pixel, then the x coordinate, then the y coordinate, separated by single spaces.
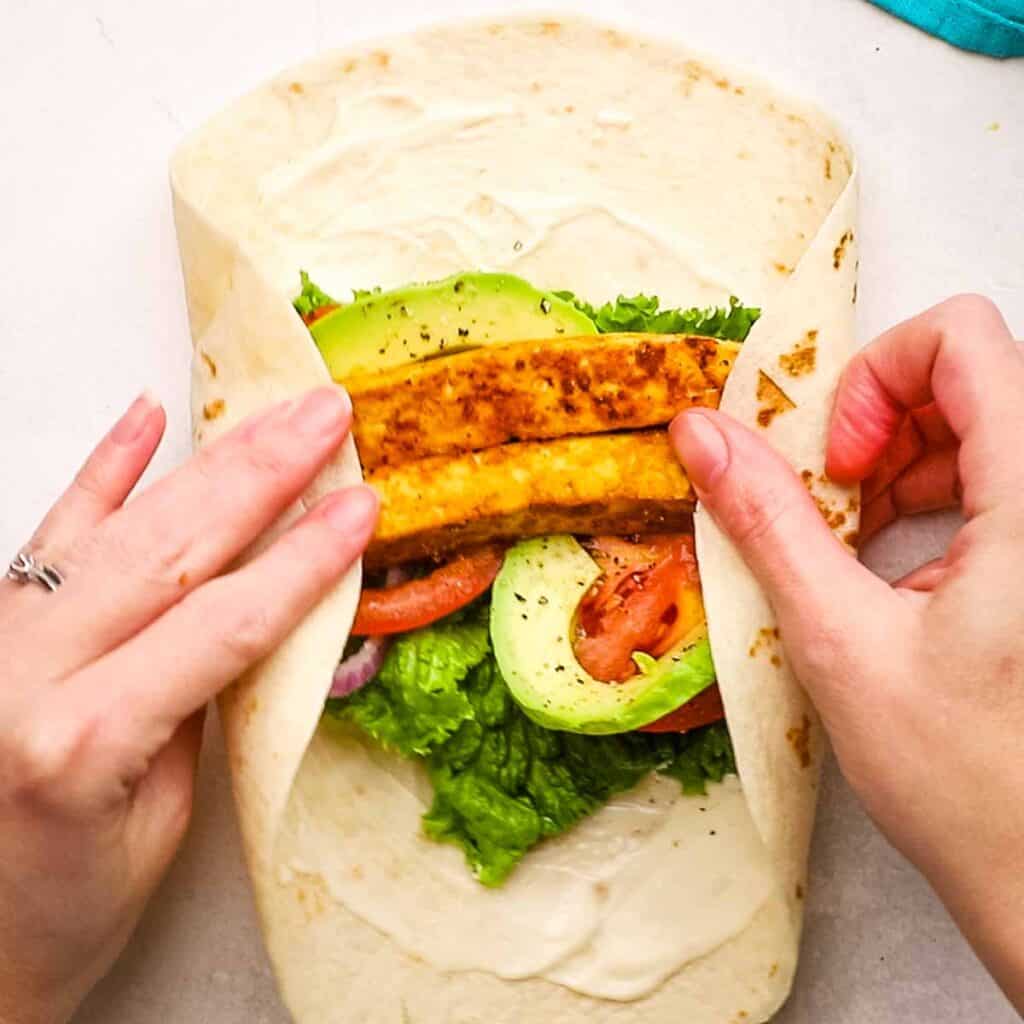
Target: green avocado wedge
pixel 533 615
pixel 385 329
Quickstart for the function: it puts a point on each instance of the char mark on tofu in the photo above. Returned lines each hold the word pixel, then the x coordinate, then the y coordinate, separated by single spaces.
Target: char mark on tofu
pixel 605 483
pixel 533 390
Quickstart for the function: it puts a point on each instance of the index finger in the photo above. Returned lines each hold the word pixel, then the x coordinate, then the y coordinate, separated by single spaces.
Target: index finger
pixel 961 356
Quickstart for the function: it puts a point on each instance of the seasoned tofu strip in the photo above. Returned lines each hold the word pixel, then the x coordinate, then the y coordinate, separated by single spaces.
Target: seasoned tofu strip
pixel 530 390
pixel 606 483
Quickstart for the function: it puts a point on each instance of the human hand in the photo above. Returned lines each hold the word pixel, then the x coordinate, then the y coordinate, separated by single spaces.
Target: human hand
pixel 920 685
pixel 104 680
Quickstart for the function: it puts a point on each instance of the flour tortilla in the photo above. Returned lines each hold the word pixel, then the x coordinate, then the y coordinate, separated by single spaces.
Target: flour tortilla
pixel 578 156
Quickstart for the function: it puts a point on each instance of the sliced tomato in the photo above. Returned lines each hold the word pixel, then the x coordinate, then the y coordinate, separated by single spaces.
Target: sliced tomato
pixel 420 602
pixel 319 313
pixel 703 709
pixel 648 599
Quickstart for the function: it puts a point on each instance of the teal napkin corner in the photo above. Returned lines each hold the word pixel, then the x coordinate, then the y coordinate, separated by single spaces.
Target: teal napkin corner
pixel 993 27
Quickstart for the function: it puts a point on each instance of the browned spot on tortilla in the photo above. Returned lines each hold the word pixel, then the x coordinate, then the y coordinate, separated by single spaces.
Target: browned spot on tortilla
pixel 808 478
pixel 799 738
pixel 765 640
pixel 828 168
pixel 852 504
pixel 301 895
pixel 739 90
pixel 773 970
pixel 213 409
pixel 536 87
pixel 183 580
pixel 550 28
pixel 296 87
pixel 722 83
pixel 852 537
pixel 782 268
pixel 569 108
pixel 743 154
pixel 840 250
pixel 802 357
pixel 774 401
pixel 616 39
pixel 381 58
pixel 776 661
pixel 835 518
pixel 359 789
pixel 853 298
pixel 349 66
pixel 601 890
pixel 799 891
pixel 210 364
pixel 357 872
pixel 694 70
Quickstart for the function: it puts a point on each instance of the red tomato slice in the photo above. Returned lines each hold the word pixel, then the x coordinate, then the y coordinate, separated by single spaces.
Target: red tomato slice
pixel 703 709
pixel 311 318
pixel 420 602
pixel 647 600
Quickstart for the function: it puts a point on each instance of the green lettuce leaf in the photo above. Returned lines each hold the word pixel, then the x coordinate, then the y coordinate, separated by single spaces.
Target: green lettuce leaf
pixel 415 701
pixel 642 313
pixel 311 298
pixel 501 782
pixel 704 755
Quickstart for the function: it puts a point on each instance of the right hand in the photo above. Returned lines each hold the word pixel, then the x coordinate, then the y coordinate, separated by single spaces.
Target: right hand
pixel 920 684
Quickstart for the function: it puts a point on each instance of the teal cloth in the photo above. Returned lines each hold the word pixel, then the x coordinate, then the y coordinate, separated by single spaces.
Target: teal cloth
pixel 995 27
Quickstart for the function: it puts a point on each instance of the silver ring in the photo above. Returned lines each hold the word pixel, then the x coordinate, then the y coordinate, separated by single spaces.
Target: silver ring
pixel 25 569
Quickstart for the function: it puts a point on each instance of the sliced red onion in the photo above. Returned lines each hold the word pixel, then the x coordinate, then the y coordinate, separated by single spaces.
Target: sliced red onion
pixel 359 668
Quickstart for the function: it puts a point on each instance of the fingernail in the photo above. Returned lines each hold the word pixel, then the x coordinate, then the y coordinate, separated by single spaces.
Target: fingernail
pixel 321 412
pixel 701 448
pixel 133 422
pixel 352 510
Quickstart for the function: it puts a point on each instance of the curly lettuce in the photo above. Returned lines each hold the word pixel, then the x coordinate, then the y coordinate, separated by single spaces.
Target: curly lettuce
pixel 501 782
pixel 643 314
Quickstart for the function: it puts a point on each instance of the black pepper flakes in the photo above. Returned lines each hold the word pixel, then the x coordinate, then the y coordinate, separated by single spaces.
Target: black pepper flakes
pixel 545 305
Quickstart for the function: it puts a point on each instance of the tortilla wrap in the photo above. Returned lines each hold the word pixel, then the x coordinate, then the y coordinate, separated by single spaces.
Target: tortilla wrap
pixel 577 156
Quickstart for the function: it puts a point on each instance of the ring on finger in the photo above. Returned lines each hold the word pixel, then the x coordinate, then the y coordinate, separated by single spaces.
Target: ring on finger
pixel 24 568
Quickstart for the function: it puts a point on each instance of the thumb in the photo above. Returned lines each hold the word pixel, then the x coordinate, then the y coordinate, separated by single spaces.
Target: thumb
pixel 817 589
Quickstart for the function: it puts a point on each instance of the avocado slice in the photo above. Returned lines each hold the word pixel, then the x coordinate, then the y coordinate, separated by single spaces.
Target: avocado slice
pixel 533 616
pixel 387 329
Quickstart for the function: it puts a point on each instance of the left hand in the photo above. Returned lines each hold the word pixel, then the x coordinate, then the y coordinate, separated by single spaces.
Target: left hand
pixel 103 682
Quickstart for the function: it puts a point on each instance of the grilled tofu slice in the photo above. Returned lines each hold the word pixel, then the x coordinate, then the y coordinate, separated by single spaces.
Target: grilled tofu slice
pixel 531 390
pixel 606 483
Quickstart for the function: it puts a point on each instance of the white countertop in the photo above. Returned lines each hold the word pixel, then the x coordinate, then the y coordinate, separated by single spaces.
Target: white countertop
pixel 95 95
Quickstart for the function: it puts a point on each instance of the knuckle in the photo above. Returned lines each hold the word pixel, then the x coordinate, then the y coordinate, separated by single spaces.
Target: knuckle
pixel 757 515
pixel 824 645
pixel 248 634
pixel 155 560
pixel 263 459
pixel 92 479
pixel 41 758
